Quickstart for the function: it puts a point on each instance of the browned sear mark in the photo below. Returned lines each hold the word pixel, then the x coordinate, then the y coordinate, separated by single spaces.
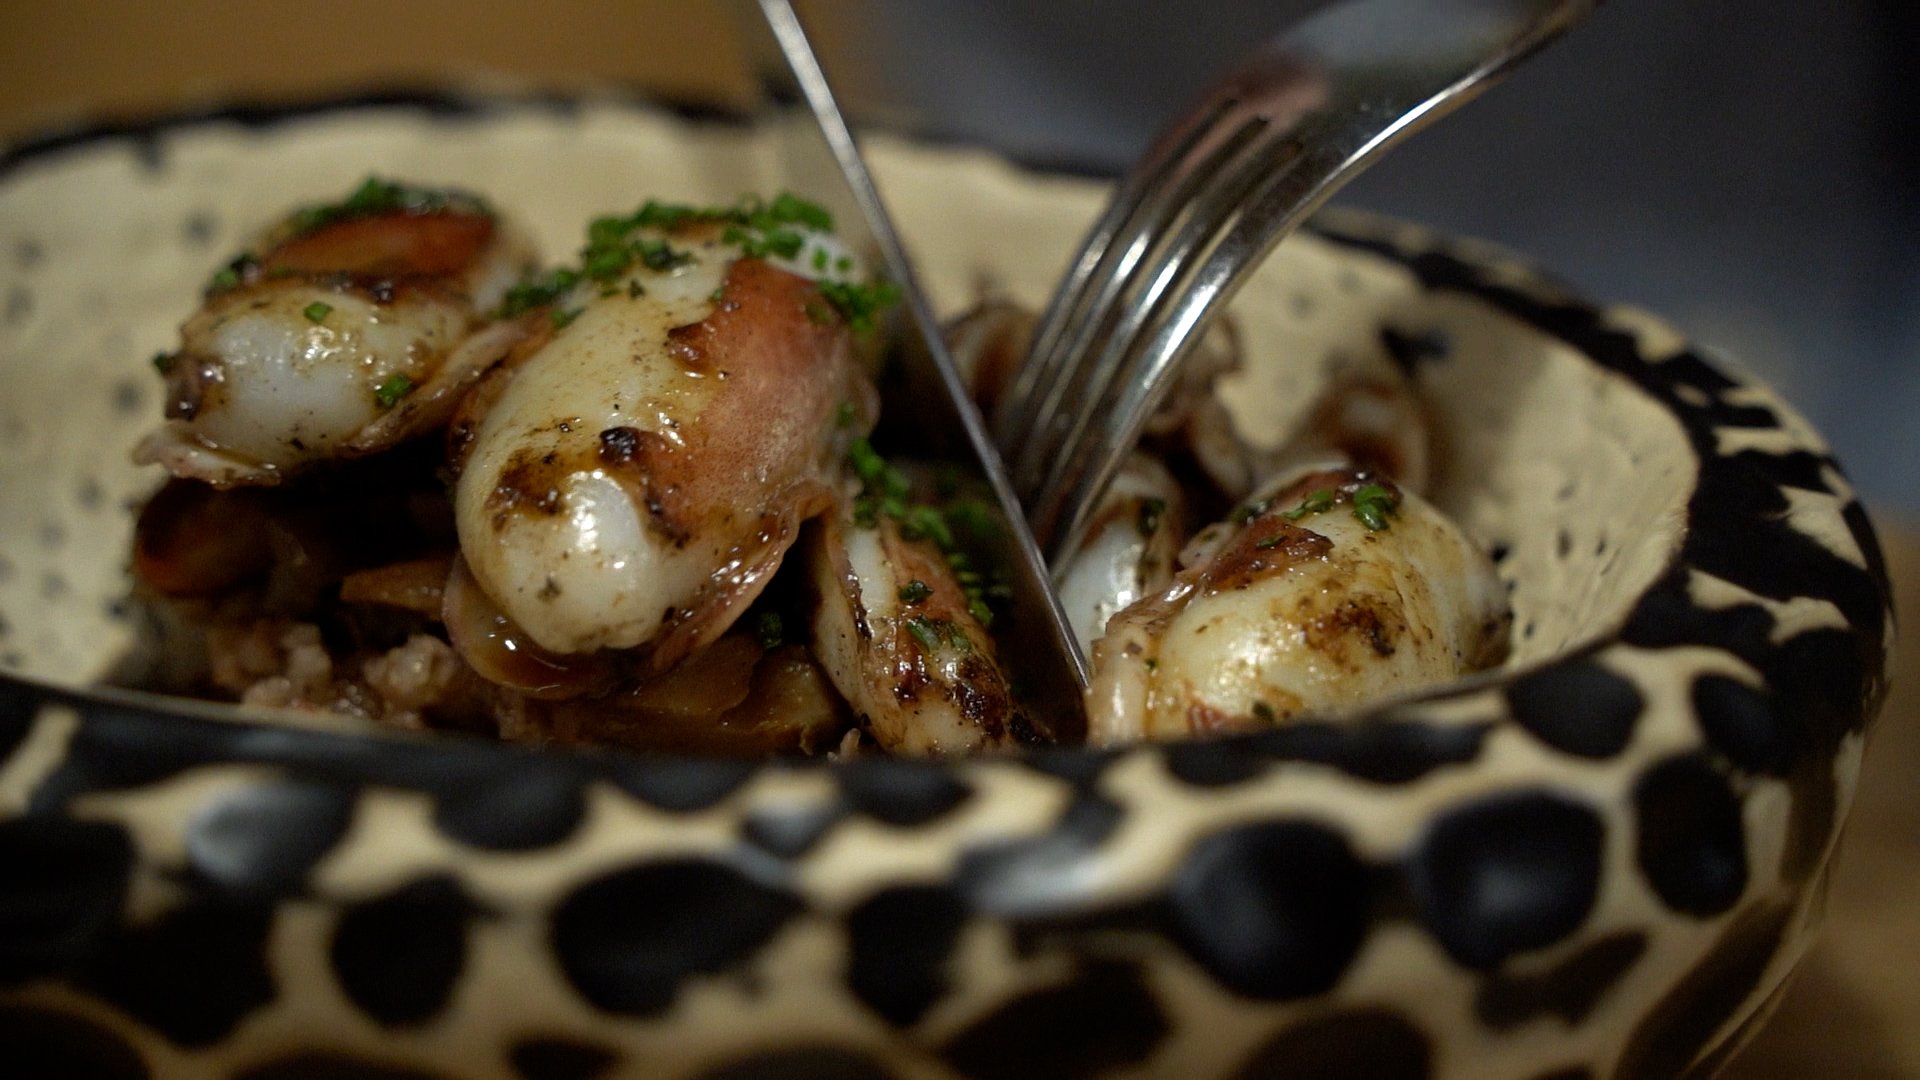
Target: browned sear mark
pixel 1267 546
pixel 1351 618
pixel 527 484
pixel 619 445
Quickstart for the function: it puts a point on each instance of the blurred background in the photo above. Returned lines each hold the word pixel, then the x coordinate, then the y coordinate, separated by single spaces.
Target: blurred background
pixel 1748 168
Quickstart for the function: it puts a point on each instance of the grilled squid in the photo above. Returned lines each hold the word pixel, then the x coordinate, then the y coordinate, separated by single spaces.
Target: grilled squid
pixel 1329 589
pixel 1359 407
pixel 1129 551
pixel 641 474
pixel 345 330
pixel 894 630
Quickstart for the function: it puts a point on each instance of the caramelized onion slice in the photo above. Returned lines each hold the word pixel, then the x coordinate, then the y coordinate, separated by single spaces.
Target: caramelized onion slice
pixel 785 706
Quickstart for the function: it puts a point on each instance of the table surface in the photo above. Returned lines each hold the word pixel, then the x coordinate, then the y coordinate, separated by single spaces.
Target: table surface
pixel 1854 1008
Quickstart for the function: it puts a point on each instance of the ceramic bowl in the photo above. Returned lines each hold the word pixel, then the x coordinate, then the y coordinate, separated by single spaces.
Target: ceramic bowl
pixel 1600 860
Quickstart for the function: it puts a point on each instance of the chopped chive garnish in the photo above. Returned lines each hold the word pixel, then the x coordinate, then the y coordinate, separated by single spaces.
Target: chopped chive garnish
pixel 1372 503
pixel 1317 502
pixel 867 464
pixel 925 631
pixel 1151 511
pixel 389 393
pixel 231 275
pixel 1248 511
pixel 977 607
pixel 378 196
pixel 925 522
pixel 317 311
pixel 860 304
pixel 537 291
pixel 769 630
pixel 884 493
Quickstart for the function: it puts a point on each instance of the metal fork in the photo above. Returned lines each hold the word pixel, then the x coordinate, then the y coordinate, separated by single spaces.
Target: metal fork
pixel 1264 148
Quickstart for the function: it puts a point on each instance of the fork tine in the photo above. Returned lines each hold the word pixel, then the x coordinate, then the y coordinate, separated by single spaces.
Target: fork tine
pixel 1079 357
pixel 1097 254
pixel 1271 193
pixel 1109 370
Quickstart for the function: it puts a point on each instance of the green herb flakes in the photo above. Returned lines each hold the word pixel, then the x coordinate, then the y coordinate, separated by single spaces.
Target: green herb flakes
pixel 926 523
pixel 389 393
pixel 977 607
pixel 885 492
pixel 1248 511
pixel 860 304
pixel 1151 513
pixel 378 196
pixel 232 275
pixel 769 630
pixel 866 462
pixel 932 633
pixel 1315 503
pixel 537 291
pixel 925 630
pixel 317 311
pixel 1373 503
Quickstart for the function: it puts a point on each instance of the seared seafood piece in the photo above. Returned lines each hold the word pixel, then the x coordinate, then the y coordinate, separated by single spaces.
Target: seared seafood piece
pixel 346 329
pixel 641 475
pixel 896 632
pixel 1360 408
pixel 1331 588
pixel 1130 548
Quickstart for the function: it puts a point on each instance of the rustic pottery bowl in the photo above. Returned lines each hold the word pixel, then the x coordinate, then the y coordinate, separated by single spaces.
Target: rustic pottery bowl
pixel 1600 860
